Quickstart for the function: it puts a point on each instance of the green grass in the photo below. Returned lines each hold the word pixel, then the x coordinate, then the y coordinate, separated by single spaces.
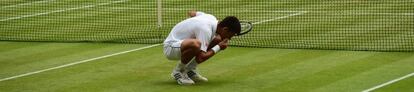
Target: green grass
pixel 235 69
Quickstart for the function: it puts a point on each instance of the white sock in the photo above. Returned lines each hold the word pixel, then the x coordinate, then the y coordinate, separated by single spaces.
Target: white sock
pixel 180 67
pixel 192 64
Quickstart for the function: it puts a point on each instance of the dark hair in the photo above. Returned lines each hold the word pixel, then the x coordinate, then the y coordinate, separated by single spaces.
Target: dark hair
pixel 232 23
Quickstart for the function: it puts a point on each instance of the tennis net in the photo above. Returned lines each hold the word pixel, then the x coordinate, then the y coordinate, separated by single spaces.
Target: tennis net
pixel 369 25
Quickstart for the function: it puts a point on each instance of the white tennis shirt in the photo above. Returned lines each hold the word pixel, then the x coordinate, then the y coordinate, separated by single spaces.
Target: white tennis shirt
pixel 202 27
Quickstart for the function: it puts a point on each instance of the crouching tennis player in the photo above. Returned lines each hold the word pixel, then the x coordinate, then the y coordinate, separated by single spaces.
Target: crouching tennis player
pixel 196 39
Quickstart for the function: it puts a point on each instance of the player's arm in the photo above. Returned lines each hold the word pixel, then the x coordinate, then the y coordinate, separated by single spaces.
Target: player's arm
pixel 194 13
pixel 206 52
pixel 217 39
pixel 203 56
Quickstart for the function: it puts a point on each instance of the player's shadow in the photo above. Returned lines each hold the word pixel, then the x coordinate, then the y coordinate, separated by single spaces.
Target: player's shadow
pixel 165 82
pixel 174 83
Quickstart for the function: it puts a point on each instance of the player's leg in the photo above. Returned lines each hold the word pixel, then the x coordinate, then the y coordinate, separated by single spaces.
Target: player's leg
pixel 193 72
pixel 173 52
pixel 189 50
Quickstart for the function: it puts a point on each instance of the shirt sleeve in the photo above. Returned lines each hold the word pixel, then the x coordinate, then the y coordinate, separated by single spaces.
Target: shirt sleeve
pixel 198 13
pixel 204 36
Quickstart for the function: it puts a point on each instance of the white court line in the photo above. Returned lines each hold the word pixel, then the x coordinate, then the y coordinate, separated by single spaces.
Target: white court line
pixel 30 3
pixel 362 13
pixel 130 8
pixel 272 11
pixel 389 82
pixel 260 11
pixel 290 15
pixel 75 63
pixel 45 13
pixel 396 14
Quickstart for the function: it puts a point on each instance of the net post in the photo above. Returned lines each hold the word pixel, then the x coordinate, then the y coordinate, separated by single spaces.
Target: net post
pixel 159 19
pixel 159 13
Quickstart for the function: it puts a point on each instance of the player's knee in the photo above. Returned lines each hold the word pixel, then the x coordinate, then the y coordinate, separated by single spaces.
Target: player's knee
pixel 192 44
pixel 195 44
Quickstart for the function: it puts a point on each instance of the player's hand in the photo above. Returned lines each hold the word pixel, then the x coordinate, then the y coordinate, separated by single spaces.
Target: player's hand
pixel 217 39
pixel 192 13
pixel 223 44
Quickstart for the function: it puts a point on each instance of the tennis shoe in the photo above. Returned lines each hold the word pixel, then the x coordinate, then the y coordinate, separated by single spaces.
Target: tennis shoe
pixel 194 75
pixel 182 78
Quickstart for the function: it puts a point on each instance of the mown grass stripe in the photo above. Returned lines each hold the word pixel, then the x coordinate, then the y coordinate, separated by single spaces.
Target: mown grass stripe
pixel 63 53
pixel 7 47
pixel 296 71
pixel 340 72
pixel 389 82
pixel 32 48
pixel 372 77
pixel 74 63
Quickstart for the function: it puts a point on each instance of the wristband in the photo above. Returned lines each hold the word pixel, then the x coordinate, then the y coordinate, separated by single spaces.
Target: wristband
pixel 216 49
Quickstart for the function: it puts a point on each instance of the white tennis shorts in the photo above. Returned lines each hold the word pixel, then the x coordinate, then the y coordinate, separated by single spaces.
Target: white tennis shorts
pixel 173 50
